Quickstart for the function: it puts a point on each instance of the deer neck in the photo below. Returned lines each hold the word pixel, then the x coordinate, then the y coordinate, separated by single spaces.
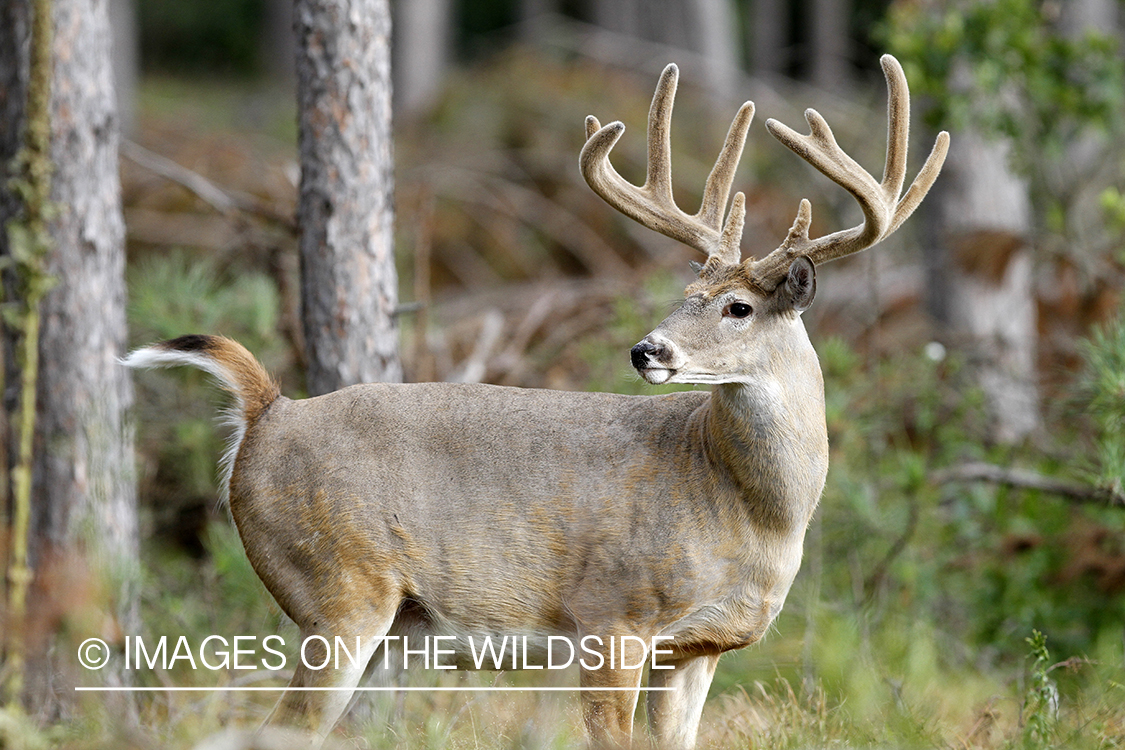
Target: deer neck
pixel 767 432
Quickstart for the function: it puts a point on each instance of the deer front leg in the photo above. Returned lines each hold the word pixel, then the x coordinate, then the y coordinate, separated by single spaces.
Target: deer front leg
pixel 673 715
pixel 608 714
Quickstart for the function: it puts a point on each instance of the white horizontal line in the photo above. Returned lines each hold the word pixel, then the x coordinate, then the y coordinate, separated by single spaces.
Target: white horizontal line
pixel 362 689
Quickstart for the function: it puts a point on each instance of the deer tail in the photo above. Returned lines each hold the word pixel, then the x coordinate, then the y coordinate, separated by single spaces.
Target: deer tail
pixel 236 370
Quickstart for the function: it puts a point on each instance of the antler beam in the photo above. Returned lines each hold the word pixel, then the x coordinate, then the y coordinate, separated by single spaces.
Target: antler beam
pixel 652 204
pixel 883 210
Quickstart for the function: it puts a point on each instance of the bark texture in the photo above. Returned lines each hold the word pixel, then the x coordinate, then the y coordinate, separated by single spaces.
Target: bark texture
pixel 83 485
pixel 348 280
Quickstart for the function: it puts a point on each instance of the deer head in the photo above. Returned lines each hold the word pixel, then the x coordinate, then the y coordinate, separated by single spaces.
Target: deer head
pixel 738 314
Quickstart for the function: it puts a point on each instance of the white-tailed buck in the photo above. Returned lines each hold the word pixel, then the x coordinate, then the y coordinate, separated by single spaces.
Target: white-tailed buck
pixel 477 510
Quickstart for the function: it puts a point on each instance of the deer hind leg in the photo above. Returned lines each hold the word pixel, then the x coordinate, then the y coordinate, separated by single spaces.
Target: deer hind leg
pixel 608 714
pixel 673 715
pixel 317 710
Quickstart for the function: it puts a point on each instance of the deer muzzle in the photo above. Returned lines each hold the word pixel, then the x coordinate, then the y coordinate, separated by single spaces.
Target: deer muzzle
pixel 651 360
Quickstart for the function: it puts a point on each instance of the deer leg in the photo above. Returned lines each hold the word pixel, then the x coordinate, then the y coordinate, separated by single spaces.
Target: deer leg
pixel 384 670
pixel 608 714
pixel 673 715
pixel 322 664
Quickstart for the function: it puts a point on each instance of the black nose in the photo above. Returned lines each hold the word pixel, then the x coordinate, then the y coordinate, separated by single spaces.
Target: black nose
pixel 643 353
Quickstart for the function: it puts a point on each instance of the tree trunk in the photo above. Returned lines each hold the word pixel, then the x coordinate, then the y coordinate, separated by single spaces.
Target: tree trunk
pixel 987 274
pixel 706 27
pixel 829 54
pixel 83 487
pixel 423 34
pixel 126 49
pixel 769 37
pixel 716 38
pixel 348 280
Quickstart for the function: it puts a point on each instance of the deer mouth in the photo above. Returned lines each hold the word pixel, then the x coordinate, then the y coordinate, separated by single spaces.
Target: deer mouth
pixel 656 375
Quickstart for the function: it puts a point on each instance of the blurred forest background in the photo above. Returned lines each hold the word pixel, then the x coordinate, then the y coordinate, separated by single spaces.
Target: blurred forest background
pixel 964 579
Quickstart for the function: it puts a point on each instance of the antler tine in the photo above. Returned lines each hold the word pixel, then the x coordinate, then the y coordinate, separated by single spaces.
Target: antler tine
pixel 652 204
pixel 719 182
pixel 658 174
pixel 922 182
pixel 898 126
pixel 883 211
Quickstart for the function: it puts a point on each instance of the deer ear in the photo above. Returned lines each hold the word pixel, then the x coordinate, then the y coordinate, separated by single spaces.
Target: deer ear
pixel 800 284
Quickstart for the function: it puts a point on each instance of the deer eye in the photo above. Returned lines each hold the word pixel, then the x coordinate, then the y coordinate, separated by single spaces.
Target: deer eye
pixel 737 310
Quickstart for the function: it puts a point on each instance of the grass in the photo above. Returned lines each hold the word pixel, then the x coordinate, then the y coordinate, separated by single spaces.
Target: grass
pixel 859 696
pixel 829 675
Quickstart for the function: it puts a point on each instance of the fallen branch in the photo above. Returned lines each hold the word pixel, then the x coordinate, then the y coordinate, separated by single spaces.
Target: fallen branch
pixel 1028 480
pixel 222 200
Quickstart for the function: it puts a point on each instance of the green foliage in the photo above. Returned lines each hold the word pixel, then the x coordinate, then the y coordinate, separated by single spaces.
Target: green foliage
pixel 1005 70
pixel 1041 704
pixel 939 576
pixel 1113 203
pixel 262 114
pixel 22 732
pixel 175 294
pixel 1003 67
pixel 1103 383
pixel 222 596
pixel 909 611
